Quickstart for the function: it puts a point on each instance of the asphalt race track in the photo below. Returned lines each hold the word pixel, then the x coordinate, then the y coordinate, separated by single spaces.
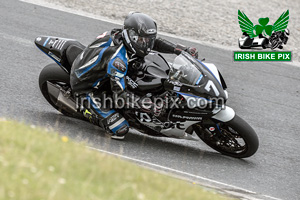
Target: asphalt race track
pixel 266 95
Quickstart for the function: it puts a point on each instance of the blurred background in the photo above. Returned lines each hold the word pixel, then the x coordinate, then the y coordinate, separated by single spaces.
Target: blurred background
pixel 210 22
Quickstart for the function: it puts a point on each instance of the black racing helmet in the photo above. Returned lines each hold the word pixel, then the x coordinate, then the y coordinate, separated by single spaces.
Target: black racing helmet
pixel 139 33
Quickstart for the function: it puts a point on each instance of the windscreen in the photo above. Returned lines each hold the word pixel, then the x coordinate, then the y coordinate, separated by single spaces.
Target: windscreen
pixel 185 72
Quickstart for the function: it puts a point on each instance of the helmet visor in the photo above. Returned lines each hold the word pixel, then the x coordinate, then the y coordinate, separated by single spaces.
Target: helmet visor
pixel 145 43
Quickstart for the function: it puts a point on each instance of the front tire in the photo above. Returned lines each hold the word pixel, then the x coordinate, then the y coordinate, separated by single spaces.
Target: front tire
pixel 235 138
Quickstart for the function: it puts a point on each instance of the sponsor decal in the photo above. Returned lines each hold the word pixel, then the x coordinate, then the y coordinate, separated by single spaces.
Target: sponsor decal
pixel 177 85
pixel 144 117
pixel 38 39
pixel 55 42
pixel 211 129
pixel 176 88
pixel 113 118
pixel 58 44
pixel 102 35
pixel 54 56
pixel 187 117
pixel 51 42
pixel 119 64
pixel 62 45
pixel 262 36
pixel 262 56
pixel 131 83
pixel 151 31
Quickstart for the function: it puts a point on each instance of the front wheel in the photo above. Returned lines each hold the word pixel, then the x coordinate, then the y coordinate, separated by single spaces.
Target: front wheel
pixel 235 138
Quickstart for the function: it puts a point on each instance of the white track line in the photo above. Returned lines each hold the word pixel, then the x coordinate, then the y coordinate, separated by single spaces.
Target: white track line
pixel 216 184
pixel 19 40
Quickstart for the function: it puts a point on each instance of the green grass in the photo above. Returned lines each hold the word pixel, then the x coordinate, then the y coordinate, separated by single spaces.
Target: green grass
pixel 40 165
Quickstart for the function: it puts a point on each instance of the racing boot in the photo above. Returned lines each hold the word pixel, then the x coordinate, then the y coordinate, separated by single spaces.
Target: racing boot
pixel 112 121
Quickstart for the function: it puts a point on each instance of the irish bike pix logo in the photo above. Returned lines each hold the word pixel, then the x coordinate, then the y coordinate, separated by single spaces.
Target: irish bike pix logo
pixel 263 36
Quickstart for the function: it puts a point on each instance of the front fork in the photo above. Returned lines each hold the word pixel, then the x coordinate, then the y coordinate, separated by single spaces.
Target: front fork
pixel 212 127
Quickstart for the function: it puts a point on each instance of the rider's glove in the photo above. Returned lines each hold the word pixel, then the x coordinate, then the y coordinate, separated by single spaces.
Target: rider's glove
pixel 191 50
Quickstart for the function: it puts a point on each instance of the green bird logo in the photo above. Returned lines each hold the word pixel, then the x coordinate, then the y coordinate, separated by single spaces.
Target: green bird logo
pixel 247 26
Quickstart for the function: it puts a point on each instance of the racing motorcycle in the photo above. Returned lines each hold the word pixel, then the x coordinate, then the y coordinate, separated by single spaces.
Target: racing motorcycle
pixel 196 90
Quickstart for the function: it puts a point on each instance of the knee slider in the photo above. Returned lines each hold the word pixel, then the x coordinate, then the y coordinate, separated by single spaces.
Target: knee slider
pixel 123 130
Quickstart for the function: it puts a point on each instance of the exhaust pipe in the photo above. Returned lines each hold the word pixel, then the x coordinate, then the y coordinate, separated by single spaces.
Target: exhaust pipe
pixel 61 98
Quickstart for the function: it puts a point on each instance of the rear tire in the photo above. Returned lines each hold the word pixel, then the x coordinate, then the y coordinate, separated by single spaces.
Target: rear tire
pixel 56 75
pixel 231 133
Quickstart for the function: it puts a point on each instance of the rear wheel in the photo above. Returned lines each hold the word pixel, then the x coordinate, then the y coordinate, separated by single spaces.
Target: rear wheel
pixel 235 138
pixel 56 76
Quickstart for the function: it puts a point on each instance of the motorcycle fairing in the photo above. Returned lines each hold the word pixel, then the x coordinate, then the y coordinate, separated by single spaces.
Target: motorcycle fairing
pixel 56 48
pixel 153 71
pixel 168 128
pixel 247 42
pixel 225 114
pixel 213 70
pixel 210 86
pixel 181 115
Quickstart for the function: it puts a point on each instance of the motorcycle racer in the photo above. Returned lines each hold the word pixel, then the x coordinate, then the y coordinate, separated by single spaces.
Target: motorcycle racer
pixel 108 57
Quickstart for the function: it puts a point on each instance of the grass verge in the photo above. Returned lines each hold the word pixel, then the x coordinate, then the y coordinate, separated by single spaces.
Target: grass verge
pixel 36 164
